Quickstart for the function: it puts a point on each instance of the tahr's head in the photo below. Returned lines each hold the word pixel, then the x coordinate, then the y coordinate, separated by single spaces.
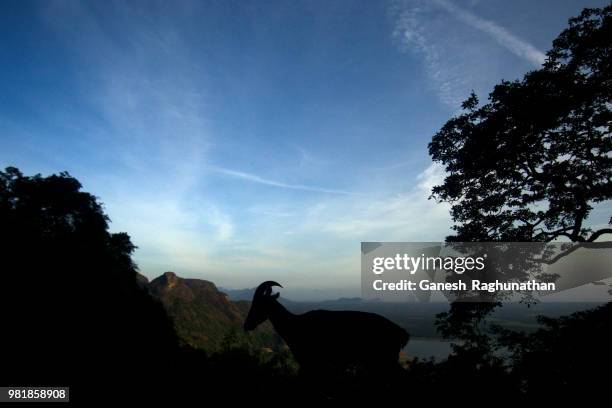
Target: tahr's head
pixel 261 305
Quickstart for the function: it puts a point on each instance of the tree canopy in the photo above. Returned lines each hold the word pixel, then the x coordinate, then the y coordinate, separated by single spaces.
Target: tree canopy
pixel 529 164
pixel 70 305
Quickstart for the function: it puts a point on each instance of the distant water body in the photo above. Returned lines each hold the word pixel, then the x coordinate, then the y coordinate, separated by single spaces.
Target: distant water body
pixel 425 348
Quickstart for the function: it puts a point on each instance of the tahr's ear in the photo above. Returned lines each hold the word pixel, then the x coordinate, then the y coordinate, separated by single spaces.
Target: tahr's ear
pixel 275 296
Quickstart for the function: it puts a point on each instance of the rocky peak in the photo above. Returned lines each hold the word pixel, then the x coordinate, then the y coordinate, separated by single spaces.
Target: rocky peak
pixel 169 279
pixel 202 314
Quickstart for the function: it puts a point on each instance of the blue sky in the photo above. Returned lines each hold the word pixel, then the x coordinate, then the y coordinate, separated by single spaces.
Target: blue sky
pixel 247 141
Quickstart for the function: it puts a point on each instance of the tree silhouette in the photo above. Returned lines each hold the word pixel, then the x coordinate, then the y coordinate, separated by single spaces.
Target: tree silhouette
pixel 529 164
pixel 71 310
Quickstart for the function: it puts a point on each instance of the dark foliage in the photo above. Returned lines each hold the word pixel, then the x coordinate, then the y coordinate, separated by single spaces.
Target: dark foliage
pixel 529 164
pixel 70 306
pixel 567 357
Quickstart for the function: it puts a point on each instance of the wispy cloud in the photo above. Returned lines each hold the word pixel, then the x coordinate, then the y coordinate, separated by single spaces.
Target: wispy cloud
pixel 149 124
pixel 274 183
pixel 456 57
pixel 318 241
pixel 401 216
pixel 517 46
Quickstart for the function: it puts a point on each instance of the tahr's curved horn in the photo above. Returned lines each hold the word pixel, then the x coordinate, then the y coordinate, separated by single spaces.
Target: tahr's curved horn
pixel 265 289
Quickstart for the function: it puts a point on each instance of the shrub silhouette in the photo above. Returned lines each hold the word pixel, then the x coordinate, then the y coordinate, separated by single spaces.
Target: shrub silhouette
pixel 567 357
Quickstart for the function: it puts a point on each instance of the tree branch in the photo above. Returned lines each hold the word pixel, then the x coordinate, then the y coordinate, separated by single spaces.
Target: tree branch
pixel 599 233
pixel 590 245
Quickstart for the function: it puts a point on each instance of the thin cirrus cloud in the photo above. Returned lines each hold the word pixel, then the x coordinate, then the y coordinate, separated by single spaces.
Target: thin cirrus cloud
pixel 402 215
pixel 515 45
pixel 274 183
pixel 457 57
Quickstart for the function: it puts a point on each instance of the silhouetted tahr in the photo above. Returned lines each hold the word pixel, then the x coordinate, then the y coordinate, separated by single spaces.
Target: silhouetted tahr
pixel 324 341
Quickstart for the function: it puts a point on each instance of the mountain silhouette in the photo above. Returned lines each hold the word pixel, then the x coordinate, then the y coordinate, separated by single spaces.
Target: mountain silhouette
pixel 203 316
